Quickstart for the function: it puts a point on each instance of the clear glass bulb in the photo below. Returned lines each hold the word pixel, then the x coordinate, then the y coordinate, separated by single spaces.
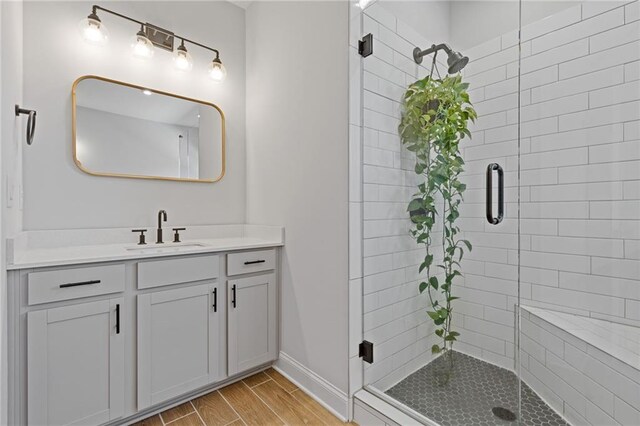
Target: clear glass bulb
pixel 217 71
pixel 93 31
pixel 142 47
pixel 182 59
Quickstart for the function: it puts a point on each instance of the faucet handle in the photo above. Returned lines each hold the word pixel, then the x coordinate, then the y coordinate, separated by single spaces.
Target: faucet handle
pixel 176 236
pixel 142 240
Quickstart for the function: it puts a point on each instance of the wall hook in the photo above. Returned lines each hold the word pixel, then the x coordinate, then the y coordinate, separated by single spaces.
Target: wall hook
pixel 31 122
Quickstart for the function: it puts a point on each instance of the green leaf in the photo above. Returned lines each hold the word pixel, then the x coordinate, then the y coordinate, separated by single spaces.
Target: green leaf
pixel 434 315
pixel 415 205
pixel 423 286
pixel 434 282
pixel 467 243
pixel 435 349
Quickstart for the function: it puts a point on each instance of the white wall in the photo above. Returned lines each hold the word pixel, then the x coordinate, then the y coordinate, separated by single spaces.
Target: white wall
pixel 52 183
pixel 11 143
pixel 430 19
pixel 297 147
pixel 469 19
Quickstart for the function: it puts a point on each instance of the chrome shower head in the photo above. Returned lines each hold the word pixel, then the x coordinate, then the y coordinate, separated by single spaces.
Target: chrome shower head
pixel 456 62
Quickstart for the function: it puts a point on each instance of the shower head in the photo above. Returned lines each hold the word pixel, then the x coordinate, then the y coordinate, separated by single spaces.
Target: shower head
pixel 456 60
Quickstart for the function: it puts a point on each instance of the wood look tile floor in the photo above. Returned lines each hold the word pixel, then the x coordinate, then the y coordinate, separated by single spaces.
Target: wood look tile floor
pixel 266 398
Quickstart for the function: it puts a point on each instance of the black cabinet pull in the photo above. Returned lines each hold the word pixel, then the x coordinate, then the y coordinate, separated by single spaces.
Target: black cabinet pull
pixel 253 262
pixel 118 318
pixel 233 295
pixel 215 300
pixel 80 283
pixel 490 168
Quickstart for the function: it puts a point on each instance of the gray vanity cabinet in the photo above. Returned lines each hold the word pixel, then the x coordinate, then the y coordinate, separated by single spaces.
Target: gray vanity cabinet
pixel 179 338
pixel 252 322
pixel 109 342
pixel 76 364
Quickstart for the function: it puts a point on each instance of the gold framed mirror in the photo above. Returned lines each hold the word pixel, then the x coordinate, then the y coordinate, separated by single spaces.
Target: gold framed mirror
pixel 124 130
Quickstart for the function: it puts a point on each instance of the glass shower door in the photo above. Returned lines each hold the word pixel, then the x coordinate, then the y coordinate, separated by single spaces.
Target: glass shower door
pixel 443 327
pixel 580 184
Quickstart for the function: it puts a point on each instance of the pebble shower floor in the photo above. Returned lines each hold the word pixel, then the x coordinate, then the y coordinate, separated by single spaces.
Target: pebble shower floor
pixel 475 388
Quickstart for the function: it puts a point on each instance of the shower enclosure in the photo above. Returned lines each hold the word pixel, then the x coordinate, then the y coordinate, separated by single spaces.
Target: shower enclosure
pixel 546 309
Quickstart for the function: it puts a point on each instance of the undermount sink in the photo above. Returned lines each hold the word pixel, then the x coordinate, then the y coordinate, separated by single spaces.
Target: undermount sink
pixel 166 247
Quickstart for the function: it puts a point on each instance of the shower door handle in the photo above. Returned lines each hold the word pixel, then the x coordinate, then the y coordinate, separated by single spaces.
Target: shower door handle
pixel 490 168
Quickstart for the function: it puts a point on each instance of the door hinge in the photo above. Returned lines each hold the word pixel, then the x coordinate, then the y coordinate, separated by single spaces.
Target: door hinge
pixel 365 46
pixel 365 351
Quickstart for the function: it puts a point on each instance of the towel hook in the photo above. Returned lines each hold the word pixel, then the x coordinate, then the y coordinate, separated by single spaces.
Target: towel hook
pixel 31 122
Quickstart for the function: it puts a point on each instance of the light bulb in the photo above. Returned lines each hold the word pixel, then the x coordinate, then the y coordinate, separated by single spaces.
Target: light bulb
pixel 141 46
pixel 182 59
pixel 93 30
pixel 217 71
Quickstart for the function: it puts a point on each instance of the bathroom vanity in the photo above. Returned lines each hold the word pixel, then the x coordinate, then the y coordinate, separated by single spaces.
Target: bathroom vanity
pixel 109 333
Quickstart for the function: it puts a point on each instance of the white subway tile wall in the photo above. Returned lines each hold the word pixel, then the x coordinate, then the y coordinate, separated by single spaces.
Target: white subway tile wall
pixel 579 182
pixel 394 311
pixel 579 187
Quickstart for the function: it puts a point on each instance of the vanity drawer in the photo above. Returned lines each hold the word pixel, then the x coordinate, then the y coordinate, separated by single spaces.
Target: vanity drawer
pixel 66 284
pixel 251 261
pixel 157 273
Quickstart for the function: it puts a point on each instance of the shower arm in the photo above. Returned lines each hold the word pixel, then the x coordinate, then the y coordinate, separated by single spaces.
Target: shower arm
pixel 419 54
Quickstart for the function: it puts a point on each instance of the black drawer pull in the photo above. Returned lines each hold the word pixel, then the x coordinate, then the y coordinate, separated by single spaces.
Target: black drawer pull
pixel 118 318
pixel 79 283
pixel 233 296
pixel 253 262
pixel 215 300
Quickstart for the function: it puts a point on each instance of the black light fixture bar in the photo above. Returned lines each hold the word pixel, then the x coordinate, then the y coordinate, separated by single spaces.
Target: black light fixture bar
pixel 96 7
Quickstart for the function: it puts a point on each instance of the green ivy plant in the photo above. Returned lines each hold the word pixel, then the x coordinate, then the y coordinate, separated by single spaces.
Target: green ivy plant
pixel 435 116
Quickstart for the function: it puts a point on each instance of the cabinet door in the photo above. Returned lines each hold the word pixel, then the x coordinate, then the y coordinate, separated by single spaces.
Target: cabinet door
pixel 252 322
pixel 178 342
pixel 75 361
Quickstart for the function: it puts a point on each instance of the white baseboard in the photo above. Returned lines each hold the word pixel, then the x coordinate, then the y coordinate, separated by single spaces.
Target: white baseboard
pixel 329 396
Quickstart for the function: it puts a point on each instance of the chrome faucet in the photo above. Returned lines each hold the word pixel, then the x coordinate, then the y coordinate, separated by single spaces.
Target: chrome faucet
pixel 162 216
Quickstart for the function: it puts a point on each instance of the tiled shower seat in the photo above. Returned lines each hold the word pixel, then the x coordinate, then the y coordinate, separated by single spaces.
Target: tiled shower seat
pixel 587 369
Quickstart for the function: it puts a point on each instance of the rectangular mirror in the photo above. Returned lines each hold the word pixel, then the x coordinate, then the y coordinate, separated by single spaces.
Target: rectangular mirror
pixel 124 130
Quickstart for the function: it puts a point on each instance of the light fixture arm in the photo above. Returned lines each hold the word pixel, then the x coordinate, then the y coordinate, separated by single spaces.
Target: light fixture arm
pixel 198 44
pixel 96 7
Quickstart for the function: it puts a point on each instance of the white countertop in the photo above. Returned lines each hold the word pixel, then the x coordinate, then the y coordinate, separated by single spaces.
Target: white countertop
pixel 38 249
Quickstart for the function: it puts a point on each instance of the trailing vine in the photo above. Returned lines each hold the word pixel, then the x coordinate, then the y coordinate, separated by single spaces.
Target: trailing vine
pixel 435 116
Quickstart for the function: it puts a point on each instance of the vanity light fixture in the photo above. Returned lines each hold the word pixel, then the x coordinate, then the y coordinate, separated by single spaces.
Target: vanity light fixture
pixel 150 36
pixel 141 46
pixel 182 59
pixel 217 71
pixel 93 30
